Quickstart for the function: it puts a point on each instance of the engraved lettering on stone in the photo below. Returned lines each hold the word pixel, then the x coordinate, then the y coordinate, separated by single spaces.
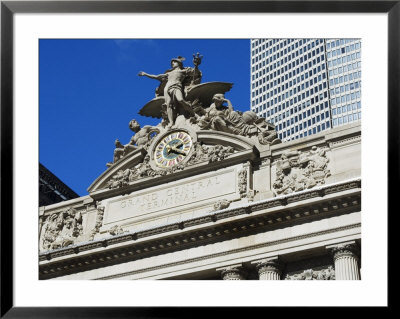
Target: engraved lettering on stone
pixel 296 170
pixel 218 186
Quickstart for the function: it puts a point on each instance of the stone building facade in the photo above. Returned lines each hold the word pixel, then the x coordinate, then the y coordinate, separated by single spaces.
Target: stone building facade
pixel 252 215
pixel 210 194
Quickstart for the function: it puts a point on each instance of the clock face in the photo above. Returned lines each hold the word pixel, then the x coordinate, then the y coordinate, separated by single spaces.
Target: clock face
pixel 172 149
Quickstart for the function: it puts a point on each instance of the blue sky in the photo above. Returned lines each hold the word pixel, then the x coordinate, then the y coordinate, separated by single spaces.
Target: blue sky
pixel 89 90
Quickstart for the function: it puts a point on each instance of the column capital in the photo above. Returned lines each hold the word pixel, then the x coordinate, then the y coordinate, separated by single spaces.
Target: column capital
pixel 349 248
pixel 233 272
pixel 270 264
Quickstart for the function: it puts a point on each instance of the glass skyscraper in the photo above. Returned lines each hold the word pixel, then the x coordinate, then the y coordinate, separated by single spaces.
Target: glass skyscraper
pixel 305 86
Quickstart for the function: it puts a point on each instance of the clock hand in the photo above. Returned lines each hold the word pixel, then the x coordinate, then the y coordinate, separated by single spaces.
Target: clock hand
pixel 178 145
pixel 177 150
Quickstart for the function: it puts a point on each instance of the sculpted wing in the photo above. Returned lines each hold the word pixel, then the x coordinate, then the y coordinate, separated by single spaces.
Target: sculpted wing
pixel 153 108
pixel 205 91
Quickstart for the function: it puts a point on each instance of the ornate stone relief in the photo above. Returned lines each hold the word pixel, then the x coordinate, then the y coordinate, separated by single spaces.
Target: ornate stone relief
pixel 296 170
pixel 201 153
pixel 221 204
pixel 310 274
pixel 209 153
pixel 99 221
pixel 242 182
pixel 61 229
pixel 116 230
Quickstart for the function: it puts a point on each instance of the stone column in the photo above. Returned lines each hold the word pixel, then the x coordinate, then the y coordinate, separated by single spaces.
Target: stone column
pixel 234 272
pixel 269 268
pixel 345 256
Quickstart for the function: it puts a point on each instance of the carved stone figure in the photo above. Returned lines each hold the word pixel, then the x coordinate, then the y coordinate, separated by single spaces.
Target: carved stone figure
pixel 61 229
pixel 173 81
pixel 296 171
pixel 141 138
pixel 223 118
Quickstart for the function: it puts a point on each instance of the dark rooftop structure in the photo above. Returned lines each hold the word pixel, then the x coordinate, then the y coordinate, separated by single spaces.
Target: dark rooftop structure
pixel 52 189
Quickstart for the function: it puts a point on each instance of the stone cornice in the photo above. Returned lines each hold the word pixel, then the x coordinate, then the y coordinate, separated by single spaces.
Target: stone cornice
pixel 233 251
pixel 194 231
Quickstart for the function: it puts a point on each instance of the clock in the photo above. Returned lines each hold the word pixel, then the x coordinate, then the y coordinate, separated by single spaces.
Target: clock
pixel 172 149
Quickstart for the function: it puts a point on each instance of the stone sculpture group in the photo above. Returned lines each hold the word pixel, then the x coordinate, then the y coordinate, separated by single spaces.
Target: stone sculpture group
pixel 181 95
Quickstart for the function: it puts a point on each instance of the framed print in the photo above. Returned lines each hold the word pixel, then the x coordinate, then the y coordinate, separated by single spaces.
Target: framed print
pixel 182 144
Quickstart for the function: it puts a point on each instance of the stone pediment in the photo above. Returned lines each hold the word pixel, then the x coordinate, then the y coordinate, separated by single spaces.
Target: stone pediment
pixel 217 149
pixel 199 127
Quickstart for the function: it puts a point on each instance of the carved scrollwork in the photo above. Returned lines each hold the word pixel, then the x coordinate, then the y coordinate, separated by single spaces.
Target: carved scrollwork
pixel 201 153
pixel 242 182
pixel 99 222
pixel 296 170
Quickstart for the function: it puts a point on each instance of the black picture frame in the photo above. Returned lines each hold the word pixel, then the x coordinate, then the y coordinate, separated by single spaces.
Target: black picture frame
pixel 9 8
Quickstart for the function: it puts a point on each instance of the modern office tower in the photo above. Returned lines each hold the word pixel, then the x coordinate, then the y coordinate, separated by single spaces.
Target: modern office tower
pixel 305 86
pixel 51 189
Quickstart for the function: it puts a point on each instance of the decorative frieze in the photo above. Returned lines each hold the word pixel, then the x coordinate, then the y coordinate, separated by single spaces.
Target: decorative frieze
pixel 231 212
pixel 310 274
pixel 297 171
